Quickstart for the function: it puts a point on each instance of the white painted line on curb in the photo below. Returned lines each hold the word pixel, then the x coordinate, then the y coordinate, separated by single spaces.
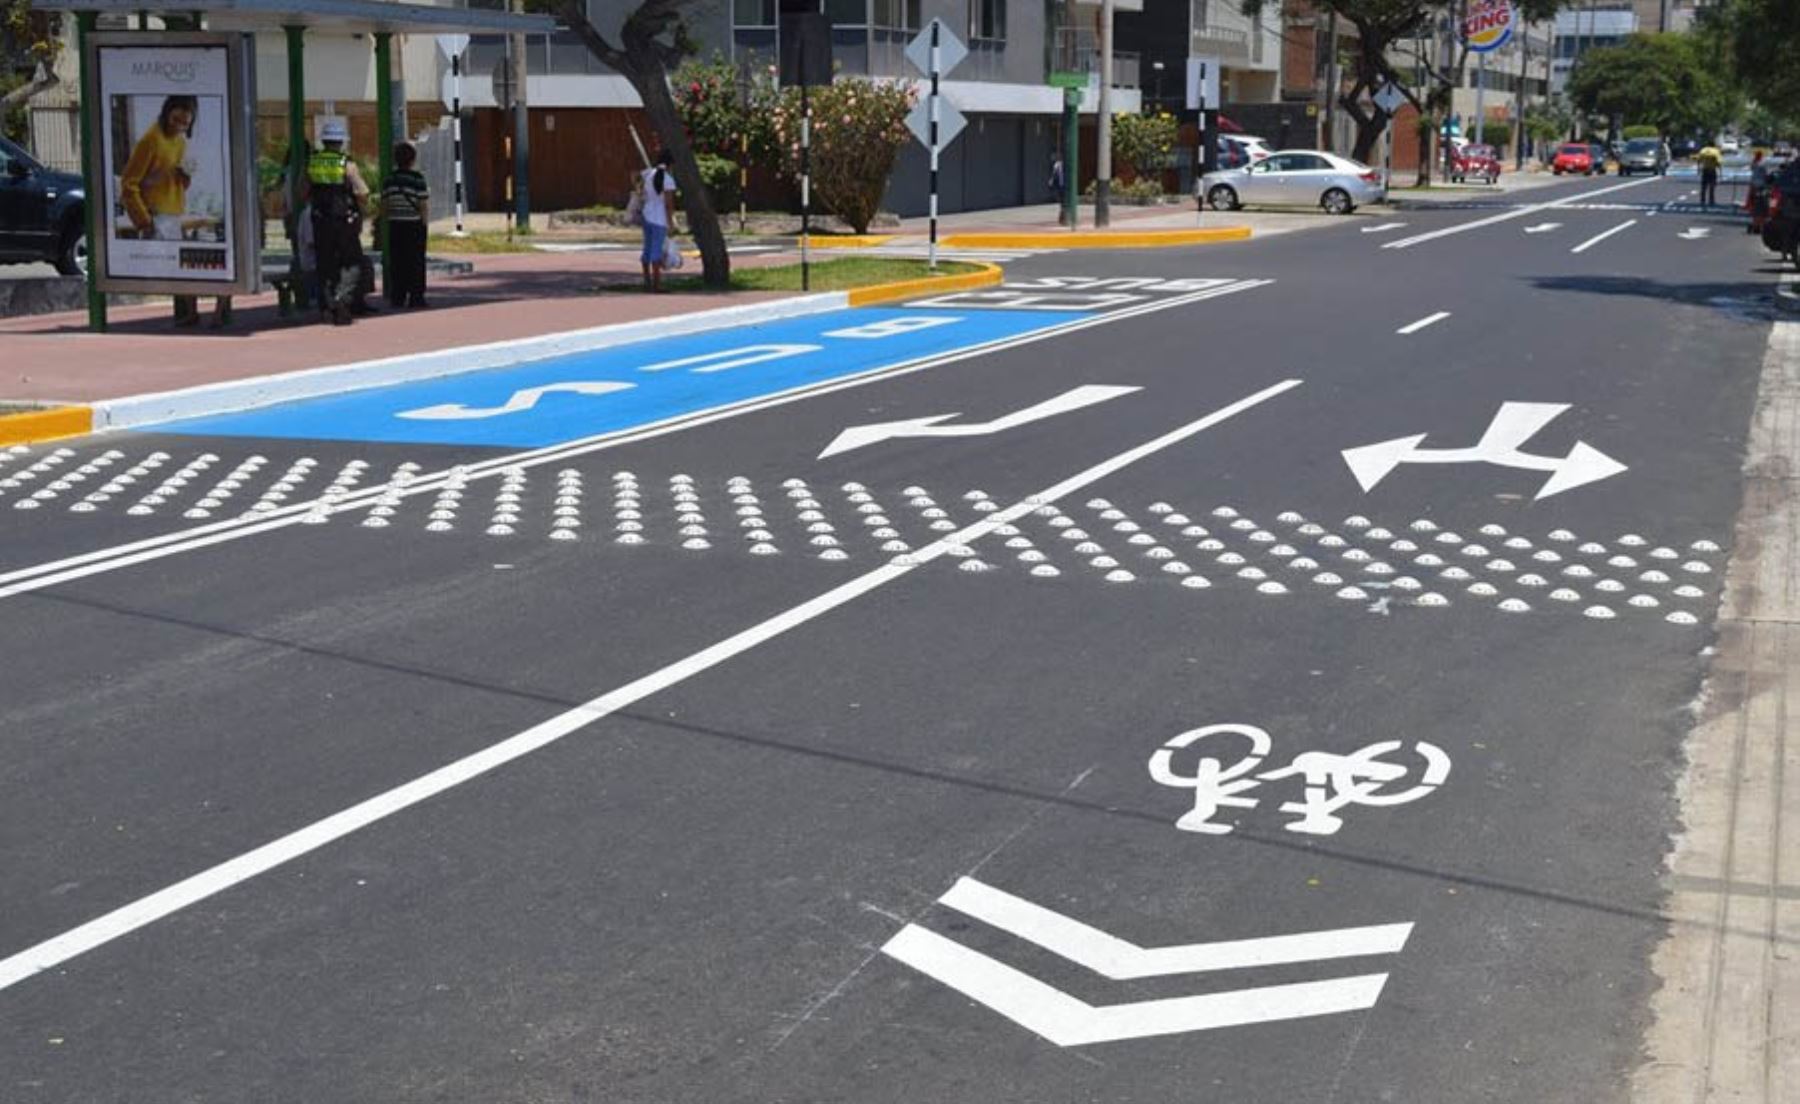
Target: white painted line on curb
pixel 1433 235
pixel 39 576
pixel 1121 960
pixel 120 922
pixel 1428 320
pixel 1598 238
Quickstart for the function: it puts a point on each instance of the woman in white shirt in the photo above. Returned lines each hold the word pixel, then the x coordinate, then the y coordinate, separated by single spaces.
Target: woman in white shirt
pixel 659 190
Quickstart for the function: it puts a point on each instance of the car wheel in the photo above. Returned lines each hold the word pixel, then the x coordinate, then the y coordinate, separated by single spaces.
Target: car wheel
pixel 1222 197
pixel 73 259
pixel 1336 202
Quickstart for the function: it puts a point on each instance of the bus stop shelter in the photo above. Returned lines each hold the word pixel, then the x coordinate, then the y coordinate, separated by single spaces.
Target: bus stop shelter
pixel 297 20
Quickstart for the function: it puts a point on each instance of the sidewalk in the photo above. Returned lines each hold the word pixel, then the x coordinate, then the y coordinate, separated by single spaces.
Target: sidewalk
pixel 52 358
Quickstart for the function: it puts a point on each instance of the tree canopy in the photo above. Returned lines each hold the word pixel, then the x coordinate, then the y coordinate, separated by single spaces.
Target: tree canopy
pixel 1763 36
pixel 1669 81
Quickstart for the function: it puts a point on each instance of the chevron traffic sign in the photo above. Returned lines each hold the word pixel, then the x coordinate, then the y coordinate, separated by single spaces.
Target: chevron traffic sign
pixel 1066 1020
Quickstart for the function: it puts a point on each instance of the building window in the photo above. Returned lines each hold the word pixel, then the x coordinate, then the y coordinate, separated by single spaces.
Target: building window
pixel 987 20
pixel 753 13
pixel 848 13
pixel 896 15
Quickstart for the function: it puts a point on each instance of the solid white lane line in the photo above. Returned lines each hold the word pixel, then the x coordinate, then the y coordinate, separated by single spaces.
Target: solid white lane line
pixel 1429 319
pixel 98 932
pixel 38 576
pixel 1433 235
pixel 1598 238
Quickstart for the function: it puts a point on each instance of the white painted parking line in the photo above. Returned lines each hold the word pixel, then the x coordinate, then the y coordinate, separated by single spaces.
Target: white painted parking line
pixel 1598 238
pixel 165 902
pixel 1428 320
pixel 1433 235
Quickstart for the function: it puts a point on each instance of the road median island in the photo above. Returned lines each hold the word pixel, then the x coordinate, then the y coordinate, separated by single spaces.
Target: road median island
pixel 25 425
pixel 1096 239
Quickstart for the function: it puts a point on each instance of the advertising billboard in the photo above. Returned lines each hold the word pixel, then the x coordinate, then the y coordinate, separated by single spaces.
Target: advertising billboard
pixel 1489 25
pixel 176 207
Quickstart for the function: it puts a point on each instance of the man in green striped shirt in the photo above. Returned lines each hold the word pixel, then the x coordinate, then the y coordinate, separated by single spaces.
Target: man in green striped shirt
pixel 406 205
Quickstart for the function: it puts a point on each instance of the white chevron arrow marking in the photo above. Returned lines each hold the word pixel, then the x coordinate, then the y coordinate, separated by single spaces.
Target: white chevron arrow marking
pixel 1542 227
pixel 520 400
pixel 859 436
pixel 1694 233
pixel 1502 444
pixel 1068 1021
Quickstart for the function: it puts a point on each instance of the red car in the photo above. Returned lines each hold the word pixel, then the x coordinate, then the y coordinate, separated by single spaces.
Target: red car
pixel 1575 157
pixel 1475 163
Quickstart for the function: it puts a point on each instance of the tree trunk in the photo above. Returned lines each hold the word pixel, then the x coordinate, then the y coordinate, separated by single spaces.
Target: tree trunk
pixel 703 221
pixel 41 81
pixel 644 61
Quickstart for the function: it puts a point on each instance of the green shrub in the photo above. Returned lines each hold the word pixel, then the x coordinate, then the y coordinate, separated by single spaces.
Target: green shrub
pixel 720 175
pixel 1640 130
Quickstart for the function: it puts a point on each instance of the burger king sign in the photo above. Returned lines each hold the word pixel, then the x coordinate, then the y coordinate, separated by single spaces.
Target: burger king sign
pixel 1489 25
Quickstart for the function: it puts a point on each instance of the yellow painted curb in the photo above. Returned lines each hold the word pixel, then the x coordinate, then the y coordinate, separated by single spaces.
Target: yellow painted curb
pixel 1100 239
pixel 989 275
pixel 847 241
pixel 27 426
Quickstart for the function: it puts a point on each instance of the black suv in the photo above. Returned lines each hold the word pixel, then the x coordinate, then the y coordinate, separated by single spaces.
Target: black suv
pixel 42 213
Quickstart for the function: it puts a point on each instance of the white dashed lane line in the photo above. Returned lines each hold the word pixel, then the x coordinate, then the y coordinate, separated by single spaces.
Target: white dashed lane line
pixel 1598 238
pixel 1428 320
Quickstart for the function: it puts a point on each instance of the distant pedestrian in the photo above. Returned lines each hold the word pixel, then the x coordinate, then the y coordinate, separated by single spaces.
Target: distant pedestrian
pixel 406 206
pixel 659 185
pixel 1058 183
pixel 1708 161
pixel 1759 193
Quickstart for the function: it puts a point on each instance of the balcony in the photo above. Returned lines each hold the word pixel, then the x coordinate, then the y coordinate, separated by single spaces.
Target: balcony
pixel 1220 28
pixel 1077 50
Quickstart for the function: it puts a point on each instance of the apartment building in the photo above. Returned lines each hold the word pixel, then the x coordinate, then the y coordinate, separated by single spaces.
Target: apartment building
pixel 582 114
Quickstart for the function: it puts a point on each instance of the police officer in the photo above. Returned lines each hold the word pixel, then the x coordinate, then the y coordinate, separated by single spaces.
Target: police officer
pixel 336 190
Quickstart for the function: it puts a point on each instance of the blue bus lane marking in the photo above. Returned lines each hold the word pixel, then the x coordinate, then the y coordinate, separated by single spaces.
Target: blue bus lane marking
pixel 547 402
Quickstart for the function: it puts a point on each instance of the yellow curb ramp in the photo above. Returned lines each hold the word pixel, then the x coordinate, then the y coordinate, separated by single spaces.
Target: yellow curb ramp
pixel 987 276
pixel 27 426
pixel 1099 239
pixel 846 241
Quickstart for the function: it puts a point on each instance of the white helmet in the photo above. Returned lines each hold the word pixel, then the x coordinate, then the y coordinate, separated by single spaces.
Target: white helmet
pixel 333 130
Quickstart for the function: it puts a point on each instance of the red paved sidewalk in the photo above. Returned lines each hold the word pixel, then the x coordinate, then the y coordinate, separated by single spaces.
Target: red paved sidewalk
pixel 52 357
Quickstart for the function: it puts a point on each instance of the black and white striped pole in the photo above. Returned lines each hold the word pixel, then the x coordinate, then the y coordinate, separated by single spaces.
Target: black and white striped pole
pixel 456 150
pixel 931 250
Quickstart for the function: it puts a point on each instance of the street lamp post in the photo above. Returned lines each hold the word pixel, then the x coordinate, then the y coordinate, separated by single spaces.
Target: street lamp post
pixel 1157 68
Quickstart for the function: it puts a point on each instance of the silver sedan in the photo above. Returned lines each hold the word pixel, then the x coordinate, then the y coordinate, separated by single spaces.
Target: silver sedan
pixel 1295 178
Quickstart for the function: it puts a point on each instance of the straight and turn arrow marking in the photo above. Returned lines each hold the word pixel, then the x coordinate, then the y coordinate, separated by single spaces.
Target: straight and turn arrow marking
pixel 1694 233
pixel 1514 424
pixel 1068 1021
pixel 858 436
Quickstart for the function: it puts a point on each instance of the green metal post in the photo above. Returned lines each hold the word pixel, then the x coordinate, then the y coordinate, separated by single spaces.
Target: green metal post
pixel 384 131
pixel 97 214
pixel 1072 155
pixel 296 74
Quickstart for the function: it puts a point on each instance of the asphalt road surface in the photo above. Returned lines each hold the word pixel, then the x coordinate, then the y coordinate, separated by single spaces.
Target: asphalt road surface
pixel 1099 732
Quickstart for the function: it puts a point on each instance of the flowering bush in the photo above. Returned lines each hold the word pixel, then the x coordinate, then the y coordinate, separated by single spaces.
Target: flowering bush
pixel 1144 141
pixel 857 130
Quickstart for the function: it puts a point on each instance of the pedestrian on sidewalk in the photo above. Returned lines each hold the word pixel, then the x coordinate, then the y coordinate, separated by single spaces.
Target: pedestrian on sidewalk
pixel 336 191
pixel 659 186
pixel 1058 185
pixel 406 206
pixel 1758 203
pixel 1708 161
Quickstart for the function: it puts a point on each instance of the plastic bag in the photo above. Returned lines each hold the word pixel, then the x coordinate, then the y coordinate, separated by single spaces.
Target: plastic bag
pixel 672 257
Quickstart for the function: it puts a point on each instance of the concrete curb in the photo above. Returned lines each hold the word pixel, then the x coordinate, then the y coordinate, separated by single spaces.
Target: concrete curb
pixel 1787 292
pixel 987 276
pixel 847 241
pixel 1098 239
pixel 143 410
pixel 24 427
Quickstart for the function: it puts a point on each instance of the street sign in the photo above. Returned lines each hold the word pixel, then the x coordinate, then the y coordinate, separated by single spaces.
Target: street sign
pixel 451 45
pixel 1066 1020
pixel 1389 98
pixel 950 121
pixel 1203 82
pixel 504 84
pixel 1503 444
pixel 951 51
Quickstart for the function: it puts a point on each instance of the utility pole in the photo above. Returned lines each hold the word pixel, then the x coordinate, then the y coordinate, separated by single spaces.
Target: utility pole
pixel 1332 80
pixel 1103 131
pixel 521 132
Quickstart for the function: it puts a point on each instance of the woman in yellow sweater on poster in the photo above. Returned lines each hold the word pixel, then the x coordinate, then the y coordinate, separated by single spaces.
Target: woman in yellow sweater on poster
pixel 153 187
